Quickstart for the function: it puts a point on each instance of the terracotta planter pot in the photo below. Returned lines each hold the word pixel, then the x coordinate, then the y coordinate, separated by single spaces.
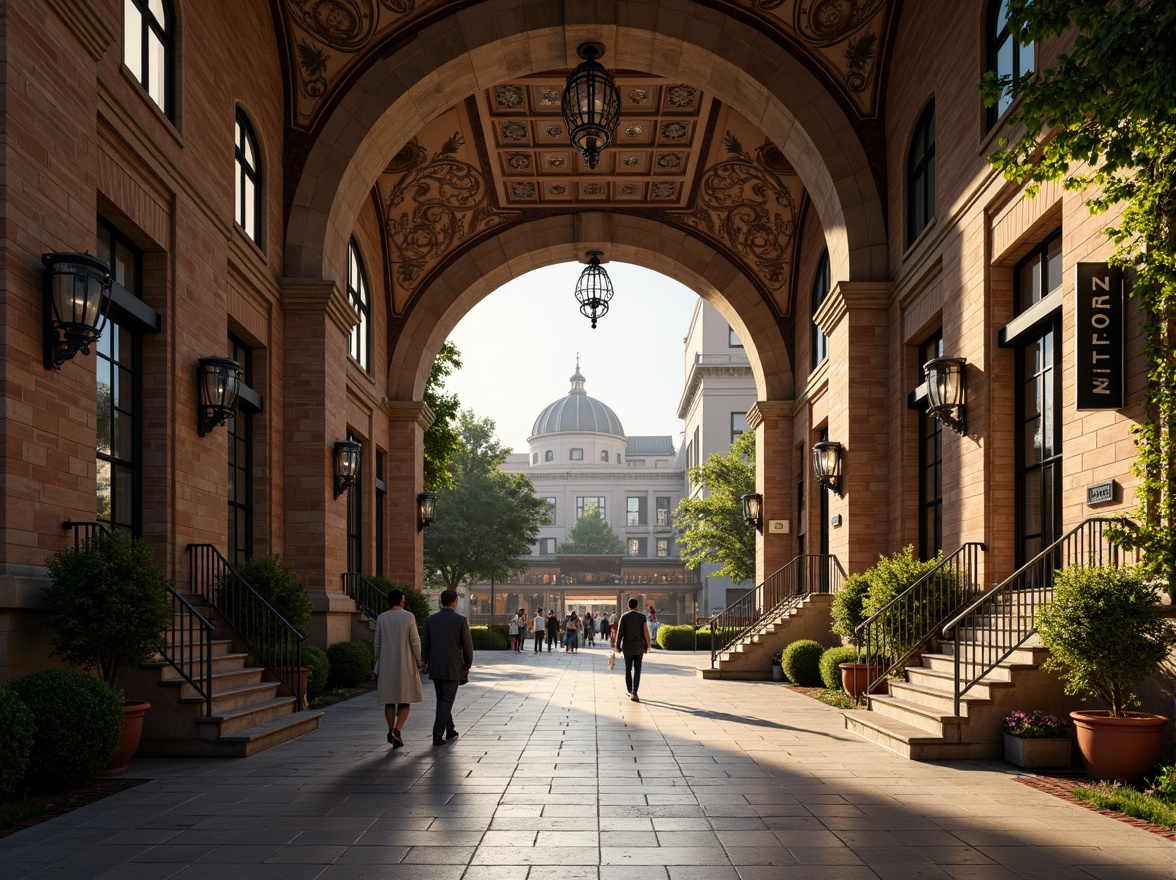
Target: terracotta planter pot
pixel 1118 748
pixel 1039 753
pixel 132 732
pixel 856 677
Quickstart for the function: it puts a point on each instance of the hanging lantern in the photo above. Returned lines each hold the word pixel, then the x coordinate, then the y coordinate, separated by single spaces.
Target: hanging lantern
pixel 591 105
pixel 594 289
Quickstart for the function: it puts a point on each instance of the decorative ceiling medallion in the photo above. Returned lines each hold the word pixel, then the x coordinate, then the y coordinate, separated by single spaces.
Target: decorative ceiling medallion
pixel 673 131
pixel 557 189
pixel 518 161
pixel 556 161
pixel 628 189
pixel 630 161
pixel 593 189
pixel 825 23
pixel 521 190
pixel 405 159
pixel 551 96
pixel 681 96
pixel 343 25
pixel 637 96
pixel 633 131
pixel 554 131
pixel 772 158
pixel 508 96
pixel 513 131
pixel 663 189
pixel 313 61
pixel 669 161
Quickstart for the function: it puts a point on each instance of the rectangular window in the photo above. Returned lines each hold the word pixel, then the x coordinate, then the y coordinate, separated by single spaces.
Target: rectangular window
pixel 381 498
pixel 663 547
pixel 930 464
pixel 586 502
pixel 547 546
pixel 549 501
pixel 636 547
pixel 241 463
pixel 738 424
pixel 663 510
pixel 355 520
pixel 576 455
pixel 635 507
pixel 697 448
pixel 732 338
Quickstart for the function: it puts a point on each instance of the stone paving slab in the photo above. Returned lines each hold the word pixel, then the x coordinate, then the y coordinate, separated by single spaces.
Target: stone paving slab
pixel 557 776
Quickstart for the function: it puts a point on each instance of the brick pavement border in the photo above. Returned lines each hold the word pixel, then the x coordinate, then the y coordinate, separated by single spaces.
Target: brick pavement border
pixel 61 802
pixel 1063 786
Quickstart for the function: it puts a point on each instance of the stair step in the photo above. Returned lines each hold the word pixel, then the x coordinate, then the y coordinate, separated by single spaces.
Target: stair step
pixel 227 682
pixel 239 697
pixel 270 733
pixel 936 700
pixel 944 682
pixel 915 743
pixel 933 722
pixel 213 727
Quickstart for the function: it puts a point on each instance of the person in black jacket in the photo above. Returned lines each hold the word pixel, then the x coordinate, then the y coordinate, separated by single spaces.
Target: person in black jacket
pixel 447 649
pixel 631 638
pixel 552 629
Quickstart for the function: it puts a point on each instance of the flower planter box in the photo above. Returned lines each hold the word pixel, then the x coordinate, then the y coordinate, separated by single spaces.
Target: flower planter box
pixel 1038 754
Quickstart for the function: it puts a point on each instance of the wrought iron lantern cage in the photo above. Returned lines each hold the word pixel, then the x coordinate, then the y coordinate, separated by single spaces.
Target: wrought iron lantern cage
pixel 426 509
pixel 77 296
pixel 591 105
pixel 347 458
pixel 827 461
pixel 219 380
pixel 594 289
pixel 753 510
pixel 947 391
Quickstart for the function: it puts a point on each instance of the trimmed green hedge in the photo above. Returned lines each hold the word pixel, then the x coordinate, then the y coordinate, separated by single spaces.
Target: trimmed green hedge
pixel 351 663
pixel 801 661
pixel 320 671
pixel 17 730
pixel 79 720
pixel 830 674
pixel 487 639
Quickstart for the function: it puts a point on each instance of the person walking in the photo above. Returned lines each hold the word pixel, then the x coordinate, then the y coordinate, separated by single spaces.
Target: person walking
pixel 589 629
pixel 447 649
pixel 552 629
pixel 538 625
pixel 398 665
pixel 518 627
pixel 605 628
pixel 632 640
pixel 571 633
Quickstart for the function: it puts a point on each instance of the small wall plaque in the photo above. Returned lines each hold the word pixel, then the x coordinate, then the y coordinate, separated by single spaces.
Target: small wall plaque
pixel 1100 493
pixel 778 526
pixel 835 520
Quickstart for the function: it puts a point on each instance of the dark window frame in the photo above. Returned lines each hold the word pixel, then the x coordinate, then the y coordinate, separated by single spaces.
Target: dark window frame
pixel 920 175
pixel 248 173
pixel 930 462
pixel 239 494
pixel 359 344
pixel 819 345
pixel 164 32
pixel 572 456
pixel 355 518
pixel 1021 58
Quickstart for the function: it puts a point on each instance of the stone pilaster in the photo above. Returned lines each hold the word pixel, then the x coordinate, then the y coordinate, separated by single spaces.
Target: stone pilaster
pixel 404 552
pixel 774 479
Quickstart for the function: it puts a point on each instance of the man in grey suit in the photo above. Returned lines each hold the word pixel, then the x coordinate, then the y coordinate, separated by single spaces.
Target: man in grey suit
pixel 447 649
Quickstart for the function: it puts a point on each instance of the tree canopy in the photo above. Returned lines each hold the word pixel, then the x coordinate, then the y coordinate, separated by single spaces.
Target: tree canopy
pixel 441 438
pixel 1102 120
pixel 710 525
pixel 485 520
pixel 591 535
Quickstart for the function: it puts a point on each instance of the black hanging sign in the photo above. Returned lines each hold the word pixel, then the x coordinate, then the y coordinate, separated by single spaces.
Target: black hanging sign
pixel 1098 343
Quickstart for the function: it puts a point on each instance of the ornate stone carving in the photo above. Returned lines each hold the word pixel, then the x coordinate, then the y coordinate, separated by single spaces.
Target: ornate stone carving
pixel 669 161
pixel 663 190
pixel 518 161
pixel 681 96
pixel 313 61
pixel 508 96
pixel 344 25
pixel 593 189
pixel 637 96
pixel 745 205
pixel 673 131
pixel 523 190
pixel 554 131
pixel 513 131
pixel 826 22
pixel 633 131
pixel 551 96
pixel 558 189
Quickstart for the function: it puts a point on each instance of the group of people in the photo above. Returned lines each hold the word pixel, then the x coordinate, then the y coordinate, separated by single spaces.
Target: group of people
pixel 571 632
pixel 445 652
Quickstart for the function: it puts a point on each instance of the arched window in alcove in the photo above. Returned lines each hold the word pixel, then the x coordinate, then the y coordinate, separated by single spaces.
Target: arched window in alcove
pixel 549 455
pixel 820 345
pixel 248 178
pixel 357 294
pixel 920 188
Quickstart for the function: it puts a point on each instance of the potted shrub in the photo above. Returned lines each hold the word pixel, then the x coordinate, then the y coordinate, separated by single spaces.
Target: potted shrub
pixel 108 608
pixel 777 669
pixel 1106 634
pixel 1036 740
pixel 848 613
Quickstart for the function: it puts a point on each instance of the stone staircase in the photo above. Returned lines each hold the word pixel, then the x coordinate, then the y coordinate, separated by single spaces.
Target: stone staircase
pixel 750 659
pixel 249 715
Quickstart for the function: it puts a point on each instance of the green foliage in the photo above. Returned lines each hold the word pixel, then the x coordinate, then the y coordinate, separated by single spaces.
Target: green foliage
pixel 914 614
pixel 78 722
pixel 1164 785
pixel 682 638
pixel 351 663
pixel 710 524
pixel 802 662
pixel 1101 120
pixel 441 439
pixel 831 659
pixel 108 605
pixel 848 606
pixel 1130 802
pixel 320 671
pixel 591 535
pixel 1105 632
pixel 488 639
pixel 487 521
pixel 17 731
pixel 276 582
pixel 415 600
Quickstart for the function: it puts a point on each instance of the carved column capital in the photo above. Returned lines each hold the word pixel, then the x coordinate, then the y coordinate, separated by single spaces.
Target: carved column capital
pixel 409 411
pixel 851 296
pixel 315 296
pixel 763 410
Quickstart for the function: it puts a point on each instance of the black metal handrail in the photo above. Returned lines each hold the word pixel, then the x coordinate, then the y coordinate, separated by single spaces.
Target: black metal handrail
pixel 1006 615
pixel 187 639
pixel 269 637
pixel 756 609
pixel 369 598
pixel 904 626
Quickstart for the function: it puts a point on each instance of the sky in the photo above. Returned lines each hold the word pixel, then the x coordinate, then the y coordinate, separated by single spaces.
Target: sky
pixel 519 346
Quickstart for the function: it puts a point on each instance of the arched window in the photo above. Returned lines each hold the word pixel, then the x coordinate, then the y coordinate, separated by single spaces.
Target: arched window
pixel 248 178
pixel 549 455
pixel 535 458
pixel 604 455
pixel 920 189
pixel 1006 56
pixel 149 52
pixel 820 345
pixel 357 293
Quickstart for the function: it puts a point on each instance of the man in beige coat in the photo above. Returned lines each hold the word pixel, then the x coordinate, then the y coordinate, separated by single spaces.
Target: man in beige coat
pixel 398 664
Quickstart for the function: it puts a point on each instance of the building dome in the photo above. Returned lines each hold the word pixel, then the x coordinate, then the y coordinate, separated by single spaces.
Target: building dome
pixel 577 414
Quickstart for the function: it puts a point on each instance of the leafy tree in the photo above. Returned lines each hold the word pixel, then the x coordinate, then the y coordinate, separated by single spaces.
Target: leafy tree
pixel 1103 121
pixel 710 525
pixel 441 438
pixel 591 535
pixel 486 520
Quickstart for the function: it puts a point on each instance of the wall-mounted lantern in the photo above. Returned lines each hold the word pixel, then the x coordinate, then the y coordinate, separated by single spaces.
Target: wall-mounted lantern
pixel 426 508
pixel 947 391
pixel 753 510
pixel 219 380
pixel 827 464
pixel 77 295
pixel 347 457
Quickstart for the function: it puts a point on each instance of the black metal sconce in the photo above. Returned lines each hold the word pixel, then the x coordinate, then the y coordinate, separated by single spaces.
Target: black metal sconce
pixel 219 380
pixel 753 510
pixel 827 464
pixel 591 105
pixel 347 457
pixel 947 391
pixel 77 295
pixel 426 508
pixel 594 289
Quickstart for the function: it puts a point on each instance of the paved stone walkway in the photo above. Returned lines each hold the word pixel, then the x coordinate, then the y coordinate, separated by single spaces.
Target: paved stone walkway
pixel 557 776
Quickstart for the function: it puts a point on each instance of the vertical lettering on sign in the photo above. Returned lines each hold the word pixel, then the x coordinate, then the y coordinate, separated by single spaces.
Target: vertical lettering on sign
pixel 1098 342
